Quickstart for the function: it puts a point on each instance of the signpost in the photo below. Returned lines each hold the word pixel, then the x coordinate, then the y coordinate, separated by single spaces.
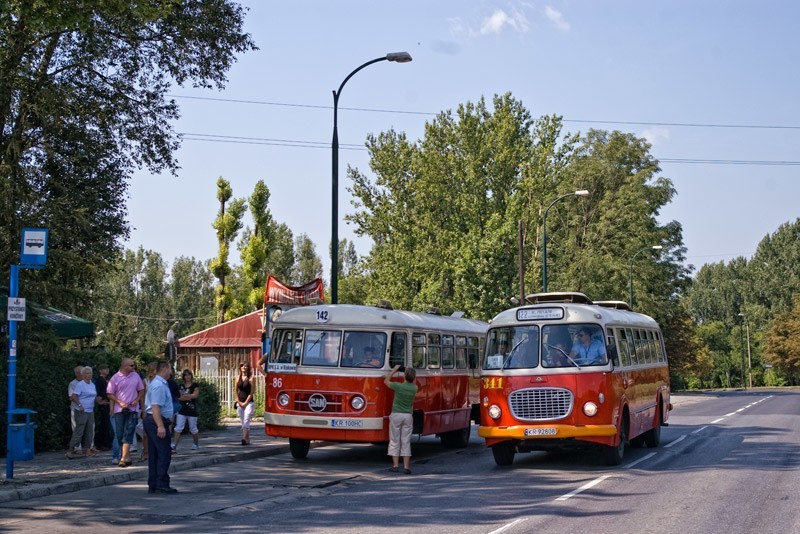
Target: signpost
pixel 33 255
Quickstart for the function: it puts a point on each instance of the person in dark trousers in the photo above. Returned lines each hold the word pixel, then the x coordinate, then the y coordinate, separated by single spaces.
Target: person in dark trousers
pixel 158 410
pixel 103 435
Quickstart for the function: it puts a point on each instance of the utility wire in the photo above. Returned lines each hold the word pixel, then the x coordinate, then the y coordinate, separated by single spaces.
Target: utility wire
pixel 586 121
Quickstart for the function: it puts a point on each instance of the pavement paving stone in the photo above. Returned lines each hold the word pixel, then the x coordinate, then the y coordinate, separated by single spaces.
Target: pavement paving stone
pixel 51 473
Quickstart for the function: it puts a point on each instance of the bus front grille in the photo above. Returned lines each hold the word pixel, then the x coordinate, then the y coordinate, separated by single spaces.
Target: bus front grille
pixel 540 404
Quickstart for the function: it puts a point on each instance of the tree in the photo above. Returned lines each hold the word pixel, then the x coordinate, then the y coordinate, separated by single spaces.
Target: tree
pixel 353 278
pixel 191 295
pixel 227 224
pixel 83 104
pixel 256 245
pixel 308 266
pixel 782 343
pixel 444 213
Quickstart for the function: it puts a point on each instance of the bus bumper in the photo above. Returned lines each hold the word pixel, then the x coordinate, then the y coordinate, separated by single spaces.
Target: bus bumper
pixel 523 432
pixel 331 422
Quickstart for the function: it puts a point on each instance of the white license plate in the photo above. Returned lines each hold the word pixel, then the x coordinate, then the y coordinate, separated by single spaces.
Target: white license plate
pixel 540 431
pixel 347 423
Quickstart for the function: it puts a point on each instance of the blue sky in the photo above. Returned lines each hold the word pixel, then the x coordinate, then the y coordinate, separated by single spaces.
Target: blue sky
pixel 712 81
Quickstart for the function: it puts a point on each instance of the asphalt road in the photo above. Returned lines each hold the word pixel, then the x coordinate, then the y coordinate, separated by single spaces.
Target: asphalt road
pixel 728 463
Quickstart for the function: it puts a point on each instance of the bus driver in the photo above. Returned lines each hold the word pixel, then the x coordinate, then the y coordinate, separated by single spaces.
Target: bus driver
pixel 587 349
pixel 370 359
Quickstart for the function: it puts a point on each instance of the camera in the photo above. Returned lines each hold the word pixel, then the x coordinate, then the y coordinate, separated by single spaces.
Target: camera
pixel 402 369
pixel 126 411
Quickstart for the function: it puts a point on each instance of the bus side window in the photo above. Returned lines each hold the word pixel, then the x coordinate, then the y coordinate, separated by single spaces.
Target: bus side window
pixel 611 348
pixel 397 356
pixel 418 351
pixel 447 352
pixel 622 348
pixel 473 352
pixel 631 346
pixel 434 351
pixel 659 349
pixel 461 352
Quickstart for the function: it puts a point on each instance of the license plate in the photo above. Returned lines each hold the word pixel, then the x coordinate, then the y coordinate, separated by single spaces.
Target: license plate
pixel 347 423
pixel 540 431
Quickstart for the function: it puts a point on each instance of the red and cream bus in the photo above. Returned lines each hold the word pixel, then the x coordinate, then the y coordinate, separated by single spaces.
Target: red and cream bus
pixel 327 364
pixel 563 372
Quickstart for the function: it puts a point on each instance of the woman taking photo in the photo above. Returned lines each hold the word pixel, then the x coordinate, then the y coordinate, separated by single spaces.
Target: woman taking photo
pixel 244 399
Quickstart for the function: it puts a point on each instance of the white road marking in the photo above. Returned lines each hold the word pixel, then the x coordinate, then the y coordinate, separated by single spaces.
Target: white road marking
pixel 671 443
pixel 642 459
pixel 508 526
pixel 583 488
pixel 699 429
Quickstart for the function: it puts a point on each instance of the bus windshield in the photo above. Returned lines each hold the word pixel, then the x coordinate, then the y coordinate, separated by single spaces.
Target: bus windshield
pixel 512 348
pixel 574 345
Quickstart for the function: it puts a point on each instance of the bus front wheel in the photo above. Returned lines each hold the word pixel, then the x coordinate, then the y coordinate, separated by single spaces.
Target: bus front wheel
pixel 504 453
pixel 299 448
pixel 613 454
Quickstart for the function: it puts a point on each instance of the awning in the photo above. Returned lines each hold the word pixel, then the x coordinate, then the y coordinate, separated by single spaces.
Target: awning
pixel 65 325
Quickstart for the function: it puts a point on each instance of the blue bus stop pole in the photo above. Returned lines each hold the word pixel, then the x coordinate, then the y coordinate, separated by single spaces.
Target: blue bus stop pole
pixel 12 371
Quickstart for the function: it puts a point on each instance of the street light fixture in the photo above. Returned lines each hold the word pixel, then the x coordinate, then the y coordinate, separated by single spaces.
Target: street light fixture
pixel 397 57
pixel 579 193
pixel 630 272
pixel 749 360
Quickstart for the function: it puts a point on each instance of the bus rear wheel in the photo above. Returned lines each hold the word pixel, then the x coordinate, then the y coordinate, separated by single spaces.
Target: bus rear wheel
pixel 504 453
pixel 457 439
pixel 299 448
pixel 653 436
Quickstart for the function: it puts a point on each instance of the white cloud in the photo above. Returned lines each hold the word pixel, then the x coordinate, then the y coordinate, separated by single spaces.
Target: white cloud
pixel 655 135
pixel 556 18
pixel 500 21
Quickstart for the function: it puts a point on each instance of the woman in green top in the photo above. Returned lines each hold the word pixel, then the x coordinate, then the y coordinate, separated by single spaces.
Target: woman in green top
pixel 401 422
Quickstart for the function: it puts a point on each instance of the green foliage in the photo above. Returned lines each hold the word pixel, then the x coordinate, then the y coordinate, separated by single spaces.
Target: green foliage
pixel 444 213
pixel 44 371
pixel 227 225
pixel 83 105
pixel 782 344
pixel 208 408
pixel 308 266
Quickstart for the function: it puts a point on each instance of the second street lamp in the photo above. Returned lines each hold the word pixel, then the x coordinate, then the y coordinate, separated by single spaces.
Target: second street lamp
pixel 630 273
pixel 397 57
pixel 579 193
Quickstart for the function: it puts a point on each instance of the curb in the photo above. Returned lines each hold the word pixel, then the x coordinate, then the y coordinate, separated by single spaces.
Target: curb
pixel 134 473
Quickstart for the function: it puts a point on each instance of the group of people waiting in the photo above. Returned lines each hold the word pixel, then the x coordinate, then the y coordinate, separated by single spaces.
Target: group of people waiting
pixel 126 401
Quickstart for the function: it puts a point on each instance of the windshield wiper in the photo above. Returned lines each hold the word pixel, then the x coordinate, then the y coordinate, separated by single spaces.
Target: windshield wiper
pixel 559 349
pixel 511 352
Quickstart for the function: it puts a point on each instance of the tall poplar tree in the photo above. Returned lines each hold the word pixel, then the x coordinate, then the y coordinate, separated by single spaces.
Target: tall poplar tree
pixel 227 225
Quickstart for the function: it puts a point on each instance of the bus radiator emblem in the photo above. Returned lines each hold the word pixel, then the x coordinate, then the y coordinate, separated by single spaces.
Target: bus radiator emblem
pixel 317 402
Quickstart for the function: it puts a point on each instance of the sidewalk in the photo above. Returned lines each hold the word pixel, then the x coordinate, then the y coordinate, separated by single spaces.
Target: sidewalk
pixel 50 473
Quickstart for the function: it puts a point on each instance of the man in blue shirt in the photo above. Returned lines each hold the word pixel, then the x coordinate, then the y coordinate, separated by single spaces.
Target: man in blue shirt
pixel 587 350
pixel 158 409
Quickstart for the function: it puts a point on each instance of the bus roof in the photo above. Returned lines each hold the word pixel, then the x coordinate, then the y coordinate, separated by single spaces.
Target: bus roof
pixel 351 315
pixel 577 313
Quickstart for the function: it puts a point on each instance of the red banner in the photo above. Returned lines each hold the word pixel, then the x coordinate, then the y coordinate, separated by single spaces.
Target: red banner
pixel 276 292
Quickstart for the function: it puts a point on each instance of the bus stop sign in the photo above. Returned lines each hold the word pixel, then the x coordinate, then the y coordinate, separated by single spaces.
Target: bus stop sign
pixel 33 247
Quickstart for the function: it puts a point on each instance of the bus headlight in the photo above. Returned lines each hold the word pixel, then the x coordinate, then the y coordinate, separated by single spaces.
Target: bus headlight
pixel 357 403
pixel 495 411
pixel 283 399
pixel 590 409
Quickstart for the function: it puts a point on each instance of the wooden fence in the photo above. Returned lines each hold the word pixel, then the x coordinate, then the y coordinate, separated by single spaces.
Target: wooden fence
pixel 223 382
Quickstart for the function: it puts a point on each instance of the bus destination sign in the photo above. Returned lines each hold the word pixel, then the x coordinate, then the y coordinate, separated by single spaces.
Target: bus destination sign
pixel 281 367
pixel 535 314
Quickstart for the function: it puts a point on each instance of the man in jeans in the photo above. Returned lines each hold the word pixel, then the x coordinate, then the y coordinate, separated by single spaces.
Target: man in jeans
pixel 159 411
pixel 125 392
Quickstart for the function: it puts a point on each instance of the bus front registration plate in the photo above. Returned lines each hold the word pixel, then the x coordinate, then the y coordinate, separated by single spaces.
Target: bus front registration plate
pixel 549 431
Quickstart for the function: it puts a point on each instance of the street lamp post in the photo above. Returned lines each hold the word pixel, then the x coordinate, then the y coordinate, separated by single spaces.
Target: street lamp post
pixel 398 57
pixel 579 193
pixel 749 360
pixel 630 272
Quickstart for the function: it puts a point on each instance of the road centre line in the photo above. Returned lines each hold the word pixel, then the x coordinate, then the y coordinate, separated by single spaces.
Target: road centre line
pixel 700 429
pixel 715 421
pixel 729 414
pixel 583 488
pixel 673 442
pixel 639 460
pixel 508 526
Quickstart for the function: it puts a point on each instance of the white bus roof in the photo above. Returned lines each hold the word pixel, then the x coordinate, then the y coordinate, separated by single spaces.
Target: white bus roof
pixel 576 313
pixel 350 315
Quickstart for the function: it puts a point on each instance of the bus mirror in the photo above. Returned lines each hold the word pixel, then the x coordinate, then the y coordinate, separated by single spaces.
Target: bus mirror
pixel 611 350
